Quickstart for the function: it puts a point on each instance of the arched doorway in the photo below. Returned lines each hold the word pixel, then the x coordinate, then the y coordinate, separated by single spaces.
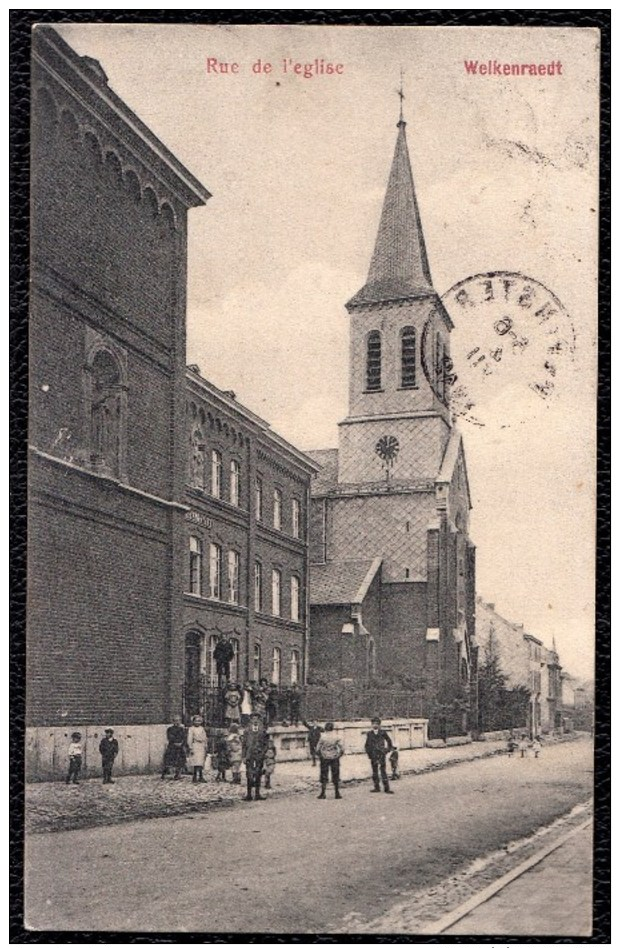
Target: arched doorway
pixel 194 674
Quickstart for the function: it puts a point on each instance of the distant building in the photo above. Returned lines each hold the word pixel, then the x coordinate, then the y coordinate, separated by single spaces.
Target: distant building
pixel 246 545
pixel 107 537
pixel 551 691
pixel 393 567
pixel 535 651
pixel 499 637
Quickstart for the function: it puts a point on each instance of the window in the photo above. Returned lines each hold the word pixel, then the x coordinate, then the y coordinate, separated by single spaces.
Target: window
pixel 276 666
pixel 235 478
pixel 439 365
pixel 216 473
pixel 259 498
pixel 197 460
pixel 277 509
pixel 276 592
pixel 295 666
pixel 106 408
pixel 295 598
pixel 373 362
pixel 258 586
pixel 215 571
pixel 296 514
pixel 233 577
pixel 234 665
pixel 213 639
pixel 195 566
pixel 256 662
pixel 407 361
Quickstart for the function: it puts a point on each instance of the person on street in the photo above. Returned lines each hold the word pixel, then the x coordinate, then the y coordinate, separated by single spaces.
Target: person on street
pixel 378 745
pixel 536 747
pixel 330 750
pixel 232 703
pixel 512 745
pixel 235 752
pixel 269 764
pixel 523 745
pixel 314 736
pixel 247 703
pixel 197 746
pixel 108 748
pixel 395 775
pixel 294 704
pixel 271 705
pixel 75 758
pixel 255 741
pixel 174 755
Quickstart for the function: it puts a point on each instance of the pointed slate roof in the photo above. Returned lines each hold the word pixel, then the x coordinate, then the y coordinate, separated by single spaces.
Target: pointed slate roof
pixel 399 268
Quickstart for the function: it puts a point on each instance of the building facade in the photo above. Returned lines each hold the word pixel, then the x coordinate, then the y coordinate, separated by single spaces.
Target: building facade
pixel 504 640
pixel 246 535
pixel 107 402
pixel 551 691
pixel 396 488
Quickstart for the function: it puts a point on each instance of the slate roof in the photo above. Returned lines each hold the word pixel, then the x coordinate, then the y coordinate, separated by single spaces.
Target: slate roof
pixel 399 268
pixel 346 582
pixel 327 477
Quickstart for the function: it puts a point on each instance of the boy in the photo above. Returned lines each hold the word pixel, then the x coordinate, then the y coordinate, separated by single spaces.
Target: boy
pixel 108 748
pixel 235 752
pixel 330 750
pixel 394 764
pixel 269 763
pixel 378 745
pixel 75 757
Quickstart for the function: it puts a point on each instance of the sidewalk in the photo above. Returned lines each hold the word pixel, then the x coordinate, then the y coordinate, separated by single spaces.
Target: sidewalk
pixel 55 806
pixel 552 898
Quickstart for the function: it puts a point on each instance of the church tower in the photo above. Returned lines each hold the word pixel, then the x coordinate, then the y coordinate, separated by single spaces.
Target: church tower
pixel 390 546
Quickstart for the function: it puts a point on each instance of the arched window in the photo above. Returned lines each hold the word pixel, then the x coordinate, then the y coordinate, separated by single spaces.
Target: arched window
pixel 258 586
pixel 213 640
pixel 216 473
pixel 295 598
pixel 197 460
pixel 195 566
pixel 215 571
pixel 296 518
pixel 234 665
pixel 106 409
pixel 276 592
pixel 277 509
pixel 256 661
pixel 233 577
pixel 276 666
pixel 235 481
pixel 193 691
pixel 295 666
pixel 407 358
pixel 373 361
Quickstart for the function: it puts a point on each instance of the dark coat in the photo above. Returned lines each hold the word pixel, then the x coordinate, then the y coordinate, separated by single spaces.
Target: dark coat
pixel 174 755
pixel 108 748
pixel 314 733
pixel 255 744
pixel 223 652
pixel 377 745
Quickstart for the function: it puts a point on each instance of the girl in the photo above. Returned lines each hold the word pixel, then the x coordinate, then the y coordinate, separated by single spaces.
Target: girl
pixel 197 744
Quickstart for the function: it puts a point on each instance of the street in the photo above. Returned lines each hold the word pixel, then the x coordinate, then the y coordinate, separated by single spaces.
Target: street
pixel 294 863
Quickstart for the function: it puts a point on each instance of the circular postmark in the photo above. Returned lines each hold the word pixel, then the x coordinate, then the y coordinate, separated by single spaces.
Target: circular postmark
pixel 511 340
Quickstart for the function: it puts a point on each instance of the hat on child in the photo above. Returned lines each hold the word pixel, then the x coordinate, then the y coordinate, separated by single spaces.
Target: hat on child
pixel 376 721
pixel 76 736
pixel 109 730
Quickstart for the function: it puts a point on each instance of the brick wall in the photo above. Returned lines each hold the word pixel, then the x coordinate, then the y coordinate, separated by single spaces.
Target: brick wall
pixel 402 646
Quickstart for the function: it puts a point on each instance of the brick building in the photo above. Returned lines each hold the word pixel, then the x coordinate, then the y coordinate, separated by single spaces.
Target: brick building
pixel 246 541
pixel 107 549
pixel 499 637
pixel 393 568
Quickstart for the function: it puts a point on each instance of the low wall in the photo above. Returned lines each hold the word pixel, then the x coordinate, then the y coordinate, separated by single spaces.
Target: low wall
pixel 141 746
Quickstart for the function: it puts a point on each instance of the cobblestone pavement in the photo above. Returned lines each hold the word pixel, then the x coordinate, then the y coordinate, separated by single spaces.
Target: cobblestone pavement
pixel 56 806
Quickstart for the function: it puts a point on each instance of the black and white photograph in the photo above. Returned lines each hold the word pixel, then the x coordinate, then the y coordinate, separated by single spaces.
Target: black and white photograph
pixel 312 426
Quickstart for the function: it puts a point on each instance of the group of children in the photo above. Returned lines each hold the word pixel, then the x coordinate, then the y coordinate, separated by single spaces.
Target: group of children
pixel 524 746
pixel 108 748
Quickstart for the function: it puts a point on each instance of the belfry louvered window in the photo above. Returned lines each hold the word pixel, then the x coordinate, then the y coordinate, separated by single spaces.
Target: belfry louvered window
pixel 373 362
pixel 407 357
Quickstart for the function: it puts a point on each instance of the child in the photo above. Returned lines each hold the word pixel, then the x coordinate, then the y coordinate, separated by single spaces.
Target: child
pixel 536 747
pixel 221 761
pixel 523 747
pixel 197 744
pixel 108 748
pixel 269 763
pixel 75 757
pixel 512 745
pixel 394 764
pixel 235 752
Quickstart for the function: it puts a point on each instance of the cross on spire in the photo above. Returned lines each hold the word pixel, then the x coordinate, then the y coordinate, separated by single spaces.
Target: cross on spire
pixel 401 95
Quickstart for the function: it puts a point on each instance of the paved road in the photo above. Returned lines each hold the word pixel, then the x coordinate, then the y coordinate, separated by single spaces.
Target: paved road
pixel 528 906
pixel 296 864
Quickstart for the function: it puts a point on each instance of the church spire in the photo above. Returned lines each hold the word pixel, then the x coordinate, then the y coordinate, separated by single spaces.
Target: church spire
pixel 399 268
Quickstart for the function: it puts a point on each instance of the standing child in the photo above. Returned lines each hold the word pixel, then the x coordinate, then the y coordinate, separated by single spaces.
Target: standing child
pixel 395 775
pixel 75 757
pixel 512 745
pixel 108 748
pixel 536 747
pixel 269 763
pixel 235 752
pixel 221 761
pixel 197 744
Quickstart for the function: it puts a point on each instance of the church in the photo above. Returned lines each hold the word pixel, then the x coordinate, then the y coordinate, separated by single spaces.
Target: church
pixel 392 599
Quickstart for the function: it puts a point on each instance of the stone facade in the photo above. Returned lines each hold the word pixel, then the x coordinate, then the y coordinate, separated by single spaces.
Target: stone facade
pixel 497 636
pixel 107 389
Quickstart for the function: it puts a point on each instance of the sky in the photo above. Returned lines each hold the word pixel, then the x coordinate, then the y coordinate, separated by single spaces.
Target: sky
pixel 506 174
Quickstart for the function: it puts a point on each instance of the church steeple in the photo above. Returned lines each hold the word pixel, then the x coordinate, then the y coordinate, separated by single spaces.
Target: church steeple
pixel 399 268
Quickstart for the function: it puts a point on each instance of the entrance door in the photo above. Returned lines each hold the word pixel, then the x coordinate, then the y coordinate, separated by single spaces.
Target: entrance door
pixel 193 677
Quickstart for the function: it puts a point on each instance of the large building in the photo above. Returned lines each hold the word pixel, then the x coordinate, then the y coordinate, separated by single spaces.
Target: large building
pixel 393 567
pixel 107 548
pixel 247 546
